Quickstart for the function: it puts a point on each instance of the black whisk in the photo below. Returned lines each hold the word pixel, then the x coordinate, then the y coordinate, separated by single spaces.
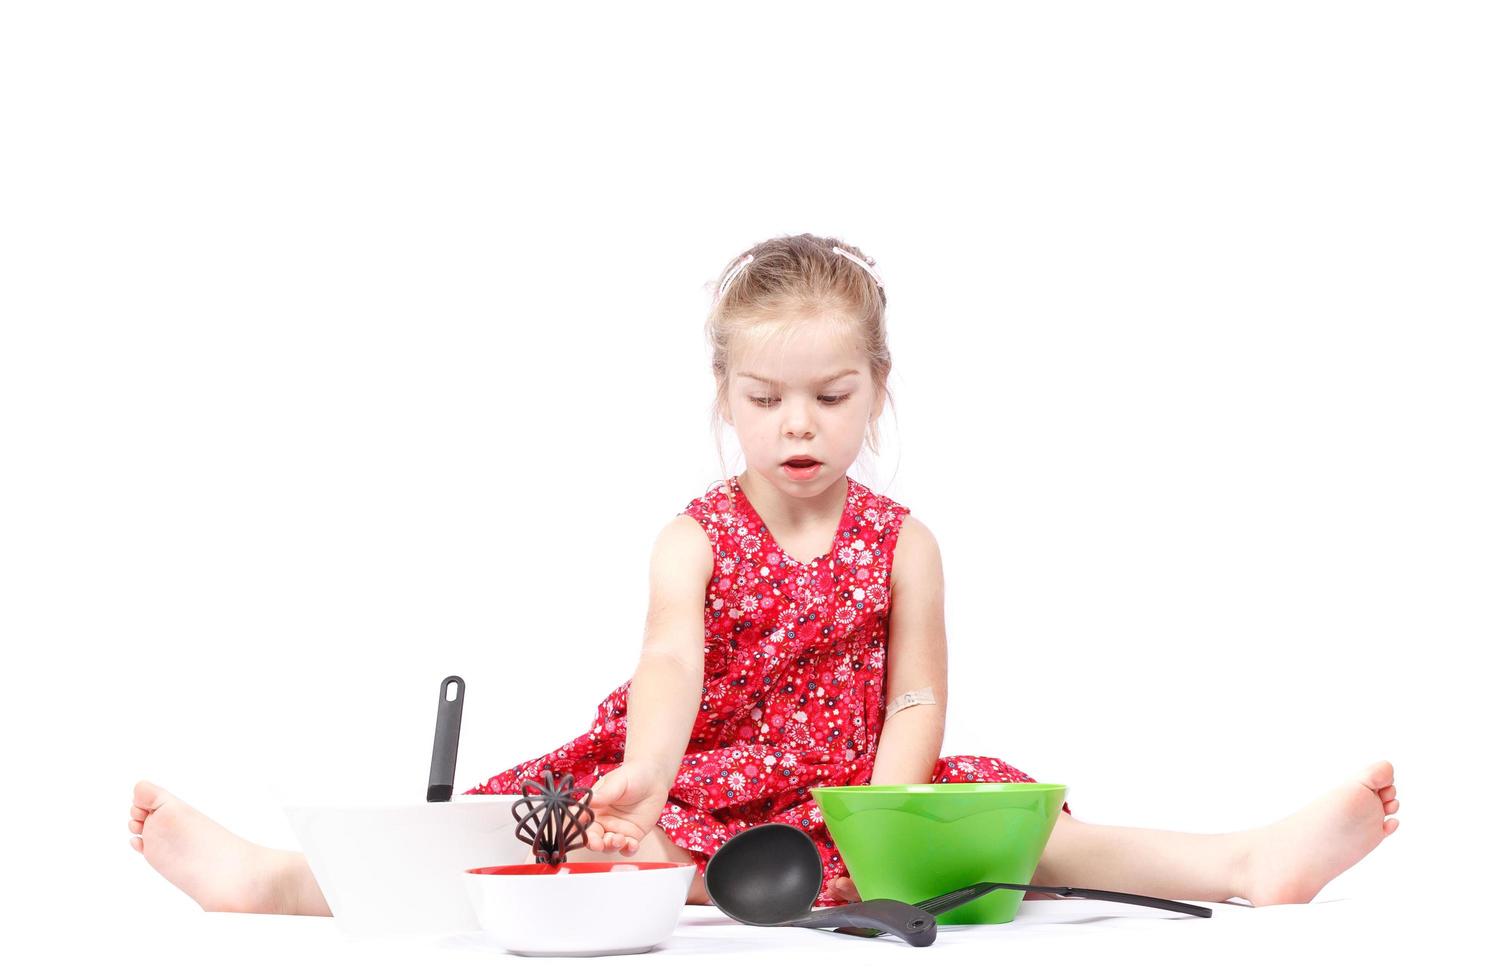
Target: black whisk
pixel 552 822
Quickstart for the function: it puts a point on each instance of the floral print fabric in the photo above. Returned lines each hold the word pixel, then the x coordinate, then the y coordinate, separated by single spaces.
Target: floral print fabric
pixel 794 683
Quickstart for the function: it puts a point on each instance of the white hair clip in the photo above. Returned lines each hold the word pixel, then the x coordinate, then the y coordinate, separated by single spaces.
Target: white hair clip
pixel 869 267
pixel 740 266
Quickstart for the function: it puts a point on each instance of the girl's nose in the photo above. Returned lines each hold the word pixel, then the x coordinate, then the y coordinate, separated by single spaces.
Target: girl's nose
pixel 797 423
pixel 798 432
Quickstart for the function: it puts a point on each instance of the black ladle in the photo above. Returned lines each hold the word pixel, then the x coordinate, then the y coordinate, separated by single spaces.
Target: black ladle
pixel 769 875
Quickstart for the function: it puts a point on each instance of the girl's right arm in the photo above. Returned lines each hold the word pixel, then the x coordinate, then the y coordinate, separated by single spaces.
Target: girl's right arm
pixel 665 692
pixel 669 679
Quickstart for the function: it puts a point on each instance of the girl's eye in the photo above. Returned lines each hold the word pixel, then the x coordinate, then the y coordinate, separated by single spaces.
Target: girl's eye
pixel 825 399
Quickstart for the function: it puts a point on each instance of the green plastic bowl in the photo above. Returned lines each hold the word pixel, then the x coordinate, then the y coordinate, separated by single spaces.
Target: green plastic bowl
pixel 916 842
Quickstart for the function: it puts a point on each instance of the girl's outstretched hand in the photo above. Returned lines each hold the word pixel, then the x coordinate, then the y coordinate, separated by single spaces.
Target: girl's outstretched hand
pixel 627 802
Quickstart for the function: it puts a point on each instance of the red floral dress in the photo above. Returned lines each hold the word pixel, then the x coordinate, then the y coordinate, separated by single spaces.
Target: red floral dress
pixel 794 684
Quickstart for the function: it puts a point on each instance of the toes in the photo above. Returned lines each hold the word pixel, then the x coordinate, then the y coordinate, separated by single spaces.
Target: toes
pixel 1387 794
pixel 1391 807
pixel 136 826
pixel 149 796
pixel 137 844
pixel 1378 775
pixel 1388 826
pixel 136 813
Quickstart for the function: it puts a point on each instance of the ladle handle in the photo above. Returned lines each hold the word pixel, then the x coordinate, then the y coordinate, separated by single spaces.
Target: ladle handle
pixel 910 924
pixel 1167 905
pixel 950 901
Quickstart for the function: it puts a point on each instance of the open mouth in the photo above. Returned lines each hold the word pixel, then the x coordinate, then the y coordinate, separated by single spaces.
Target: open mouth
pixel 802 468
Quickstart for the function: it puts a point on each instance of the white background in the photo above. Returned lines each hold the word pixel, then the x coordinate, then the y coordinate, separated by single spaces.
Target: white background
pixel 346 347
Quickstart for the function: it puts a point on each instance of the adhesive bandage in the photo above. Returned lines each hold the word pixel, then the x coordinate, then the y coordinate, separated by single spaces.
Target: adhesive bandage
pixel 925 696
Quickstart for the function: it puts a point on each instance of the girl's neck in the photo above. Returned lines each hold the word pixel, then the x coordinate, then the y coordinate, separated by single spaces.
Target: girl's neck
pixel 794 513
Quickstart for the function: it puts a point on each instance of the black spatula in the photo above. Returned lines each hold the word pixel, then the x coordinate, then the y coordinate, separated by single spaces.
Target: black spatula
pixel 446 741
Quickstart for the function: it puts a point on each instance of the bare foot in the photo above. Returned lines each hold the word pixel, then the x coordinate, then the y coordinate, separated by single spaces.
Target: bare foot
pixel 219 871
pixel 1288 862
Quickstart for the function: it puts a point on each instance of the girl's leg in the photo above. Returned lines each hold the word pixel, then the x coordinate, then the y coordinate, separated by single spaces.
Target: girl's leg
pixel 1161 863
pixel 1287 862
pixel 303 896
pixel 218 870
pixel 226 873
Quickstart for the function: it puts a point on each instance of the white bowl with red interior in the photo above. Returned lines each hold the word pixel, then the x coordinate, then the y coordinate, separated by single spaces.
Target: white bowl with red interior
pixel 584 909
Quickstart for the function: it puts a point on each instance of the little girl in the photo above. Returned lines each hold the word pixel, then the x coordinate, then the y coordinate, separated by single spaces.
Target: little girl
pixel 795 638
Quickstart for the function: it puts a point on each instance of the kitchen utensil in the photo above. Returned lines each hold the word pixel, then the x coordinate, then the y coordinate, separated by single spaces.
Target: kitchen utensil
pixel 953 900
pixel 912 842
pixel 394 868
pixel 552 821
pixel 583 909
pixel 769 875
pixel 553 908
pixel 446 740
pixel 960 896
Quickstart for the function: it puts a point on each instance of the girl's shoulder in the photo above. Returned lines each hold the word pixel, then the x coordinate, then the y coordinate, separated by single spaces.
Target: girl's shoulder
pixel 909 546
pixel 872 507
pixel 882 522
pixel 715 499
pixel 714 505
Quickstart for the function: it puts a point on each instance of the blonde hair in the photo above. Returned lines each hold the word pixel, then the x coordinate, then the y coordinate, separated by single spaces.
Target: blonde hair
pixel 766 292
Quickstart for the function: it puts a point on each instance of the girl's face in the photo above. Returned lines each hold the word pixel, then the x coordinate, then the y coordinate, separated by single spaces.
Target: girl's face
pixel 811 398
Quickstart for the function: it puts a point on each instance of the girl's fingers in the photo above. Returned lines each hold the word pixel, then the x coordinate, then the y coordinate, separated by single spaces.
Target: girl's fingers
pixel 620 842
